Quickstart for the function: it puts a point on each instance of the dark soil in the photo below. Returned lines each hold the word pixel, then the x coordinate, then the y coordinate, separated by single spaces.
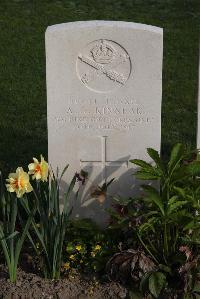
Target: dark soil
pixel 30 286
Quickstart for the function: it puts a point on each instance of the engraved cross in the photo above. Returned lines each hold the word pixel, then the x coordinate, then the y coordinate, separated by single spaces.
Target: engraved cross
pixel 104 163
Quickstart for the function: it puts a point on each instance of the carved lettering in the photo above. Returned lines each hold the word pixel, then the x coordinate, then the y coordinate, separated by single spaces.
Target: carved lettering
pixel 69 110
pixel 124 115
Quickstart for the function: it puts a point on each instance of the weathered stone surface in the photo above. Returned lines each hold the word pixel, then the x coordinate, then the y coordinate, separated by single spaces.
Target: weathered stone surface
pixel 104 89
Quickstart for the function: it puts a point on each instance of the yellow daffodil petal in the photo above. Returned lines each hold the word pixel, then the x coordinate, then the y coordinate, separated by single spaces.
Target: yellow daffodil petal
pixel 35 160
pixel 39 170
pixel 19 182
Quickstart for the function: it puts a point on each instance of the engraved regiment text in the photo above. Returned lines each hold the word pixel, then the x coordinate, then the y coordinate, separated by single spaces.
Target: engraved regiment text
pixel 92 114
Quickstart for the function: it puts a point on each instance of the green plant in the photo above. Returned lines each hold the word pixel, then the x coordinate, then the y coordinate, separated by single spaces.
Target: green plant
pixel 125 218
pixel 88 247
pixel 171 210
pixel 186 284
pixel 11 238
pixel 168 218
pixel 50 222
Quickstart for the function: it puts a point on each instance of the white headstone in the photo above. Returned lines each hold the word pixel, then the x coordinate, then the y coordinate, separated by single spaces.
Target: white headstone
pixel 104 90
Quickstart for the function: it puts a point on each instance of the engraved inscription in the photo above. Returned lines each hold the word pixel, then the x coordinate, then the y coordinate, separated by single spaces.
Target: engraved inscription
pixel 103 66
pixel 102 114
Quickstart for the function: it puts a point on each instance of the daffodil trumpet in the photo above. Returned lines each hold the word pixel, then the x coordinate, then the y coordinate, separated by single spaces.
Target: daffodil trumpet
pixel 18 182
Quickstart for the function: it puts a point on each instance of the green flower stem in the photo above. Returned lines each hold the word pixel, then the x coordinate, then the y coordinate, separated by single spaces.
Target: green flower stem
pixel 147 249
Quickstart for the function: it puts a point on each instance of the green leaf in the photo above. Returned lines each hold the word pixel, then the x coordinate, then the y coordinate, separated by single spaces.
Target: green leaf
pixel 175 157
pixel 144 283
pixel 146 175
pixel 145 227
pixel 154 197
pixel 63 172
pixel 189 225
pixel 149 225
pixel 68 194
pixel 176 205
pixel 157 282
pixel 194 168
pixel 21 240
pixel 195 241
pixel 180 191
pixel 143 164
pixel 70 247
pixel 11 236
pixel 5 248
pixel 179 173
pixel 147 171
pixel 172 200
pixel 155 156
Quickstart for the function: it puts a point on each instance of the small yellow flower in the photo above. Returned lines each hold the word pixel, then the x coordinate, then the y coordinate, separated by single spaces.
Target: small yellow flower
pixel 19 182
pixel 66 266
pixel 91 290
pixel 78 247
pixel 97 247
pixel 72 257
pixel 39 170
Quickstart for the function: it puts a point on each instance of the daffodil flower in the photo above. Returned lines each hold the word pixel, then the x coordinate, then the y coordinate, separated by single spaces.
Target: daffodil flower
pixel 39 170
pixel 19 182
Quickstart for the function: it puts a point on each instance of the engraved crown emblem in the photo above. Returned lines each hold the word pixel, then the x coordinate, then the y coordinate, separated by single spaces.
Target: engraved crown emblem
pixel 103 52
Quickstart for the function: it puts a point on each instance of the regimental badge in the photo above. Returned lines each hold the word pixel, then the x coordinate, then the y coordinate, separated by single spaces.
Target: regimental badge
pixel 103 66
pixel 103 52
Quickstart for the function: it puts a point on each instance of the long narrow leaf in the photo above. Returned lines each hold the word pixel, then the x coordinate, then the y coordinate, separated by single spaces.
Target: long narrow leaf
pixel 11 236
pixel 142 175
pixel 154 197
pixel 68 193
pixel 143 164
pixel 21 240
pixel 176 156
pixel 156 158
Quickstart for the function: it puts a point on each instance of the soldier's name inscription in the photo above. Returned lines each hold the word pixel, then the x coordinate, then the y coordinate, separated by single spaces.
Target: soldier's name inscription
pixel 107 114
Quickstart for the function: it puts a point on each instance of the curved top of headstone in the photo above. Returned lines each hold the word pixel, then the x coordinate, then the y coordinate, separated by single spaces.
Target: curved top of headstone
pixel 96 23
